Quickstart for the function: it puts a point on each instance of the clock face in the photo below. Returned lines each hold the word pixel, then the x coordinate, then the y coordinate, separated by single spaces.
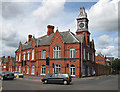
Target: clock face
pixel 81 25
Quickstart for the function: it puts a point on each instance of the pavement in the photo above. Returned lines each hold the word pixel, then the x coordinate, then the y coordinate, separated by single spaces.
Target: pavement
pixel 84 78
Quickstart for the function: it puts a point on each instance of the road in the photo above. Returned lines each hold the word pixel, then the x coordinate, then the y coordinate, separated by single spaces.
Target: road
pixel 98 83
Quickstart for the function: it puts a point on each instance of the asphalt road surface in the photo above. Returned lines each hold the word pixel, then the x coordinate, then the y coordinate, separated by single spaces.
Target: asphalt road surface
pixel 103 83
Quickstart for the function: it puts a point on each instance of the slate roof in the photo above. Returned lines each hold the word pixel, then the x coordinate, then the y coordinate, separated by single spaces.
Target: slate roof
pixel 68 37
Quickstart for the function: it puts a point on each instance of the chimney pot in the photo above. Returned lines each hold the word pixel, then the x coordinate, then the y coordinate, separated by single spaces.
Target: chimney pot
pixel 8 56
pixel 29 38
pixel 50 30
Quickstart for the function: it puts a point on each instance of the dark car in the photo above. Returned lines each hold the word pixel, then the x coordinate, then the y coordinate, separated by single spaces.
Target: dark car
pixel 58 78
pixel 6 75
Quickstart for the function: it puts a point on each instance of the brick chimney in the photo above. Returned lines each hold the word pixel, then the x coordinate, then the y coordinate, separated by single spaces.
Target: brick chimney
pixel 50 30
pixel 3 56
pixel 29 38
pixel 8 56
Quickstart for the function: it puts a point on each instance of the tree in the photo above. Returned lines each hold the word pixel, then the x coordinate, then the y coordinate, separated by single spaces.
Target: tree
pixel 116 65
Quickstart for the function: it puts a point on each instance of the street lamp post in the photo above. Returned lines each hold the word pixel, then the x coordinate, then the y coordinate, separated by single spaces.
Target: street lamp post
pixel 81 57
pixel 37 57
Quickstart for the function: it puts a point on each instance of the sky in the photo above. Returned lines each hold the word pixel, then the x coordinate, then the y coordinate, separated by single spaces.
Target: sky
pixel 23 17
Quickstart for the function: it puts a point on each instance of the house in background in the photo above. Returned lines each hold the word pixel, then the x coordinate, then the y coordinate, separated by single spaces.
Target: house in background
pixel 100 59
pixel 8 63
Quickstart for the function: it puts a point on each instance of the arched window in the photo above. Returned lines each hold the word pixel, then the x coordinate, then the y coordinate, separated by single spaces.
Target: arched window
pixel 83 70
pixel 88 70
pixel 32 54
pixel 43 54
pixel 11 68
pixel 28 55
pixel 16 68
pixel 93 70
pixel 19 68
pixel 72 70
pixel 56 52
pixel 19 56
pixel 72 53
pixel 33 70
pixel 43 70
pixel 27 69
pixel 88 56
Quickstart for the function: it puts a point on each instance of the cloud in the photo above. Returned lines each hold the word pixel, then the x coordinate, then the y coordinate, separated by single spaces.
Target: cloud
pixel 13 9
pixel 104 40
pixel 103 15
pixel 108 51
pixel 10 37
pixel 48 10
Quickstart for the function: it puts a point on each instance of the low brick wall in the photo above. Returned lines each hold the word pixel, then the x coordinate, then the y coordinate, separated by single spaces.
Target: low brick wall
pixel 102 69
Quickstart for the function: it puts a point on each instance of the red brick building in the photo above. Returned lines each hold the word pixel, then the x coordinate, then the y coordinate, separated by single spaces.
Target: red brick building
pixel 8 63
pixel 101 59
pixel 66 51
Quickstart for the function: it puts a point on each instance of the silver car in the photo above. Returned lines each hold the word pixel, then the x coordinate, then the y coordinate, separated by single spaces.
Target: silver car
pixel 18 75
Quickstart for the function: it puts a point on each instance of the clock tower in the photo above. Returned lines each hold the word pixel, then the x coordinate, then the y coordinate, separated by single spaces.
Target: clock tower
pixel 82 25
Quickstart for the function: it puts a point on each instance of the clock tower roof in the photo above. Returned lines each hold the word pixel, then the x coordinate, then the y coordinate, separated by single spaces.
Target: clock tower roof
pixel 82 13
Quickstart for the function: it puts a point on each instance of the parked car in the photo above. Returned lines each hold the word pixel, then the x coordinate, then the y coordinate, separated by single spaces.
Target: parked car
pixel 58 78
pixel 6 75
pixel 18 74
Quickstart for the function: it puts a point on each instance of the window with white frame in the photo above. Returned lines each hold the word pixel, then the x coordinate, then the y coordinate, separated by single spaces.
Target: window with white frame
pixel 16 68
pixel 43 54
pixel 19 56
pixel 88 56
pixel 32 54
pixel 83 70
pixel 57 68
pixel 43 70
pixel 33 70
pixel 72 70
pixel 72 53
pixel 84 53
pixel 19 68
pixel 11 68
pixel 56 52
pixel 88 70
pixel 16 57
pixel 27 69
pixel 93 70
pixel 28 55
pixel 24 56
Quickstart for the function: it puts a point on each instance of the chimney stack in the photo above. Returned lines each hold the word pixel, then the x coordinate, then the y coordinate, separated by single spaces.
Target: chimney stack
pixel 8 56
pixel 50 30
pixel 29 38
pixel 3 56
